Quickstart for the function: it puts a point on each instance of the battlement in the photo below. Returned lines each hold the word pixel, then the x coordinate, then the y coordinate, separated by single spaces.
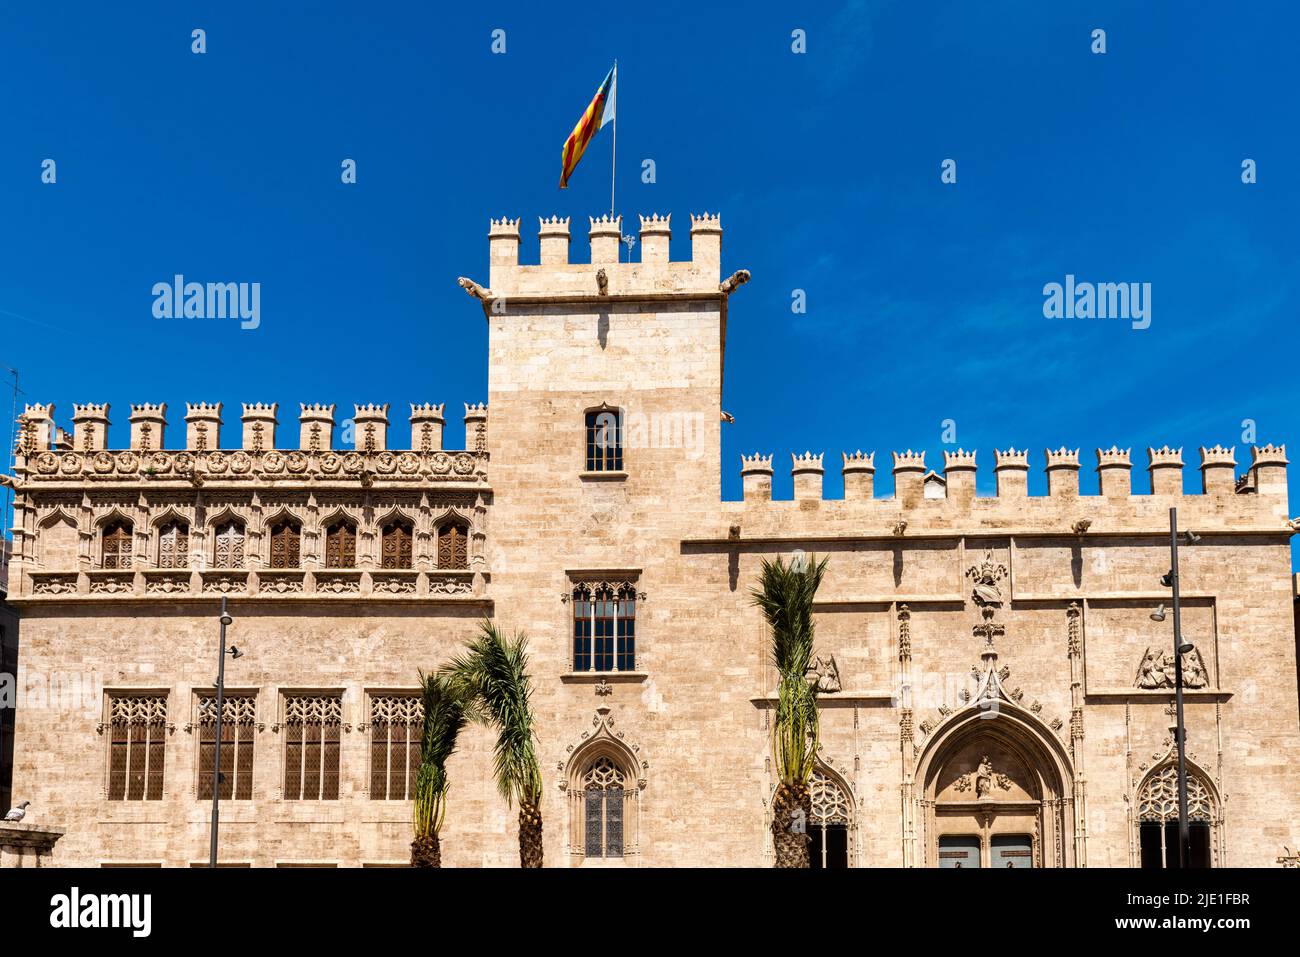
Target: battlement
pixel 756 477
pixel 367 432
pixel 1165 466
pixel 1011 469
pixel 961 460
pixel 859 473
pixel 605 274
pixel 807 471
pixel 90 425
pixel 1267 475
pixel 959 474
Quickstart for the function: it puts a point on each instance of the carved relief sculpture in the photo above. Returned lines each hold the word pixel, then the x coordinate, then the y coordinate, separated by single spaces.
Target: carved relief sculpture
pixel 1157 670
pixel 824 674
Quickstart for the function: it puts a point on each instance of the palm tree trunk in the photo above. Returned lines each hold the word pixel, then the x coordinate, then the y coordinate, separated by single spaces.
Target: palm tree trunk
pixel 789 834
pixel 530 834
pixel 426 851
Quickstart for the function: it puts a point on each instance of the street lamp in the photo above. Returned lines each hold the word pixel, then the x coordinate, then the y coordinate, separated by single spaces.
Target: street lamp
pixel 1180 648
pixel 216 744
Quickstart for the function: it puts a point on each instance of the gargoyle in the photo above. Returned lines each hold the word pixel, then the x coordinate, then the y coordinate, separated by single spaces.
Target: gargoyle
pixel 474 289
pixel 733 282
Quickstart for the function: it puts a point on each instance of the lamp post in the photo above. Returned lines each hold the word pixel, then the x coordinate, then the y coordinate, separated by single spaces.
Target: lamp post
pixel 1180 732
pixel 216 744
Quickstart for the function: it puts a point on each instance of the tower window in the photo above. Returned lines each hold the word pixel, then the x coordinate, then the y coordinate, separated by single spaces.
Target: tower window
pixel 604 440
pixel 604 628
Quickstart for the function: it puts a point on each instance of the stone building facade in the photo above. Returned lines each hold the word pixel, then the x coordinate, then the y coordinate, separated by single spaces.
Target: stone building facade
pixel 994 691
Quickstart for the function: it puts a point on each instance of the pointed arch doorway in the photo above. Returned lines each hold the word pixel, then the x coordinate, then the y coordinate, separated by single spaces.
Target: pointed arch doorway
pixel 995 792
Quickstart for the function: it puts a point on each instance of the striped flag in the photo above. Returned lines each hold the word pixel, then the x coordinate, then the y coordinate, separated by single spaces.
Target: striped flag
pixel 599 112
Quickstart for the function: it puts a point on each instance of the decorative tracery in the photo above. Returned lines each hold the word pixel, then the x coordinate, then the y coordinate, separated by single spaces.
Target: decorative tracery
pixel 137 747
pixel 238 724
pixel 603 802
pixel 1158 800
pixel 830 805
pixel 396 722
pixel 313 727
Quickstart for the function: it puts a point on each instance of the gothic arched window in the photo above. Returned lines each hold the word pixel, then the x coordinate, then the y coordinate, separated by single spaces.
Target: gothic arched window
pixel 229 545
pixel 453 546
pixel 603 809
pixel 286 544
pixel 341 545
pixel 1158 820
pixel 396 544
pixel 174 545
pixel 830 824
pixel 117 544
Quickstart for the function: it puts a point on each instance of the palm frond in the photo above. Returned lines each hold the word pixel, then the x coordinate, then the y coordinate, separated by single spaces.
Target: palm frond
pixel 785 595
pixel 494 672
pixel 446 712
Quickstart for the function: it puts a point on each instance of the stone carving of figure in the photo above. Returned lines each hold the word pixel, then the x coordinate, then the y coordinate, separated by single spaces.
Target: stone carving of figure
pixel 1194 674
pixel 824 673
pixel 986 576
pixel 984 778
pixel 1149 673
pixel 1157 670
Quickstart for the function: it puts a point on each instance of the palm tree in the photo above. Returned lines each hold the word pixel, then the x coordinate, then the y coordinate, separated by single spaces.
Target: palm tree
pixel 785 596
pixel 446 713
pixel 494 673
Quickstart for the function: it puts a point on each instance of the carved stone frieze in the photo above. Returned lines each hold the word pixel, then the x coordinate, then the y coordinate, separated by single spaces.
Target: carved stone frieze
pixel 253 464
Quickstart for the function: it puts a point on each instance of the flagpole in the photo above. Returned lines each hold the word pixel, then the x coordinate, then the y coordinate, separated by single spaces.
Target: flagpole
pixel 613 160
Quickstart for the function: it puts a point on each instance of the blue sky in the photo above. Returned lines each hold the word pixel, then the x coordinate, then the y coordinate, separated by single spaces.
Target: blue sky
pixel 924 300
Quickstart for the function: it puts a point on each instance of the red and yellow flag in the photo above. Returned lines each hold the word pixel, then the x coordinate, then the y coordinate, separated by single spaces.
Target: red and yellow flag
pixel 599 112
